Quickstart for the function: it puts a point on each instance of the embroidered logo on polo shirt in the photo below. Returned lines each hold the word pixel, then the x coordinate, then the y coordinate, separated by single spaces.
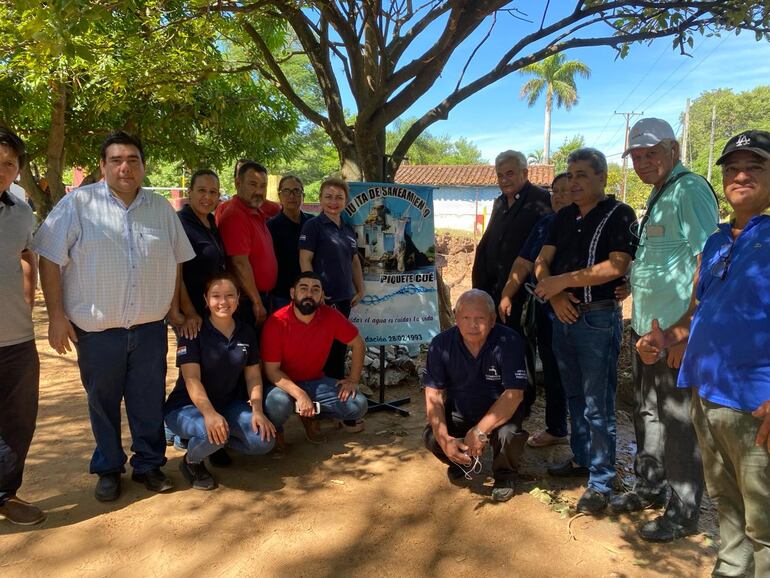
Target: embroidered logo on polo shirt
pixel 244 346
pixel 181 351
pixel 493 374
pixel 521 374
pixel 303 237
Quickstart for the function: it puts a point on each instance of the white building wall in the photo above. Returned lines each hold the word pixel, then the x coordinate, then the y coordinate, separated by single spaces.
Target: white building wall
pixel 458 207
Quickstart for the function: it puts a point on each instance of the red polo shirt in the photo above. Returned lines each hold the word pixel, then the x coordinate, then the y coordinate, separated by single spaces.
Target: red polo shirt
pixel 302 348
pixel 244 232
pixel 270 208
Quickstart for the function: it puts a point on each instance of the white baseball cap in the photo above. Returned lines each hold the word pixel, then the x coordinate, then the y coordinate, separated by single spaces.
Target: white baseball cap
pixel 648 132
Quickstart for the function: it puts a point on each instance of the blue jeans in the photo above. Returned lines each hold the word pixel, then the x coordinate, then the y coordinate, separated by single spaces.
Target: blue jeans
pixel 128 364
pixel 187 422
pixel 587 354
pixel 279 405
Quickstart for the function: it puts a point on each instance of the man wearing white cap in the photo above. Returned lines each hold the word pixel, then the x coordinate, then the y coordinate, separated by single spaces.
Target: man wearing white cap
pixel 680 214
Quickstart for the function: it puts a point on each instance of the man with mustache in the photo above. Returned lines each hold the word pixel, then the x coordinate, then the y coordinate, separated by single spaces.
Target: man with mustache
pixel 295 344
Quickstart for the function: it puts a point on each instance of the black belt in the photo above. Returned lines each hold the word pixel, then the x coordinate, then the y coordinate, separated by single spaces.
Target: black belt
pixel 598 305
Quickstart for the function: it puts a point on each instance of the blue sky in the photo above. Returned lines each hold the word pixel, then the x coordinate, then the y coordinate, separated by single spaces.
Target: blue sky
pixel 654 79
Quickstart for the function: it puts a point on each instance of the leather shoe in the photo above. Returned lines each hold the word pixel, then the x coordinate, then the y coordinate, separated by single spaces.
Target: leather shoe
pixel 568 470
pixel 108 487
pixel 662 529
pixel 634 502
pixel 154 480
pixel 22 513
pixel 592 502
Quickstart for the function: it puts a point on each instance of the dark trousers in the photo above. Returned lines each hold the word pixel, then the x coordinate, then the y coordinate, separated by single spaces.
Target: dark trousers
pixel 19 382
pixel 245 311
pixel 128 364
pixel 667 451
pixel 507 443
pixel 519 324
pixel 335 363
pixel 555 398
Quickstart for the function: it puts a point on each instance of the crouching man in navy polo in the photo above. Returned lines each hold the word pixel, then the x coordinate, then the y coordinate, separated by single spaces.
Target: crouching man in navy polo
pixel 474 382
pixel 296 341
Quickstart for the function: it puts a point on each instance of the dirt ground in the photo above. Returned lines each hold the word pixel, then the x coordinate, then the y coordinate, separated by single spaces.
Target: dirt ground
pixel 368 504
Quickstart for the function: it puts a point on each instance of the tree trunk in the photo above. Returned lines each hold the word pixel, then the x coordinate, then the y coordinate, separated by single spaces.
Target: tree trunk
pixel 40 198
pixel 547 129
pixel 55 150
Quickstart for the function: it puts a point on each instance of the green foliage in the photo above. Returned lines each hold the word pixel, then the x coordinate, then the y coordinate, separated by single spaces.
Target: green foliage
pixel 430 149
pixel 636 191
pixel 559 158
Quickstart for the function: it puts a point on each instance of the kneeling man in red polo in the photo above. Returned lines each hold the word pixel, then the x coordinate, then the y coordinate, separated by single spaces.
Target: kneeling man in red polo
pixel 295 345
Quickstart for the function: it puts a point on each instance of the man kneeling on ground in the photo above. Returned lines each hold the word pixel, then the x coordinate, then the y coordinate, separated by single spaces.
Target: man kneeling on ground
pixel 474 383
pixel 296 341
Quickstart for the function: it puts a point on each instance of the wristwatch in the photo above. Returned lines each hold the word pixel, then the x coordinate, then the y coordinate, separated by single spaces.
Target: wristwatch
pixel 483 437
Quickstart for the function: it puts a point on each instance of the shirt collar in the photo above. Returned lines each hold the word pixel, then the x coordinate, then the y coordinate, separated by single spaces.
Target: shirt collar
pixel 7 199
pixel 756 220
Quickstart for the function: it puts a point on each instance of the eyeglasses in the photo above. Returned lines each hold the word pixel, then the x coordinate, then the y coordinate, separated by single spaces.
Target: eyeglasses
pixel 295 192
pixel 635 228
pixel 530 288
pixel 720 268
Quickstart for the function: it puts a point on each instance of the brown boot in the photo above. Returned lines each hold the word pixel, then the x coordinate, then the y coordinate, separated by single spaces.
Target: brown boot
pixel 313 430
pixel 279 449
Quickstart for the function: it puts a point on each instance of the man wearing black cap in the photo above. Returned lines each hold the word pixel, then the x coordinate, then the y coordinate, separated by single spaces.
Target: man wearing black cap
pixel 727 360
pixel 680 214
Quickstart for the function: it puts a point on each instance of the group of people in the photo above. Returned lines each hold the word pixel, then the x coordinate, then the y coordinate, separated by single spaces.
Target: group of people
pixel 116 263
pixel 261 291
pixel 550 276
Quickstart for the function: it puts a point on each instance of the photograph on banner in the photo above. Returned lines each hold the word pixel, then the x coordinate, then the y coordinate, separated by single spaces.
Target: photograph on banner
pixel 394 229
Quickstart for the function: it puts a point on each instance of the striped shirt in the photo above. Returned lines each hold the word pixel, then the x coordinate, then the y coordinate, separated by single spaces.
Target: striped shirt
pixel 118 263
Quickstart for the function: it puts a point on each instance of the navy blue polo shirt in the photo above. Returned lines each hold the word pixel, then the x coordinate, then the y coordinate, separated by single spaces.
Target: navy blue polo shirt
pixel 333 248
pixel 285 233
pixel 582 242
pixel 222 362
pixel 537 238
pixel 473 384
pixel 209 256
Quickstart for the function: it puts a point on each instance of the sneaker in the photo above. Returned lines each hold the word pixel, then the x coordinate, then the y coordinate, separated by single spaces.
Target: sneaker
pixel 662 529
pixel 22 513
pixel 568 469
pixel 154 480
pixel 634 502
pixel 542 439
pixel 220 458
pixel 592 502
pixel 352 425
pixel 197 474
pixel 108 487
pixel 503 490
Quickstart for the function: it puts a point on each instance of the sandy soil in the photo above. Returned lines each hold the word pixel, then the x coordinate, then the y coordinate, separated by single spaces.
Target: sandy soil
pixel 369 504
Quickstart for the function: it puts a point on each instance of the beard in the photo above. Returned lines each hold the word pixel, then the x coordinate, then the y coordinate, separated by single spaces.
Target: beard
pixel 306 306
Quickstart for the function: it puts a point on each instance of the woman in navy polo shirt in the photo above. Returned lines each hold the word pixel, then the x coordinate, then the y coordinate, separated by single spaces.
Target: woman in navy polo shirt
pixel 328 247
pixel 207 407
pixel 198 221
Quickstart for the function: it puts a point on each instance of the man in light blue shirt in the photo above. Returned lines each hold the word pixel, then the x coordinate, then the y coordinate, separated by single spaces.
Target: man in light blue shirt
pixel 680 215
pixel 109 262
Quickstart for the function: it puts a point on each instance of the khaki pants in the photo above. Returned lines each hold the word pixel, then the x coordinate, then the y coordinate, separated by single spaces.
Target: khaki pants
pixel 738 480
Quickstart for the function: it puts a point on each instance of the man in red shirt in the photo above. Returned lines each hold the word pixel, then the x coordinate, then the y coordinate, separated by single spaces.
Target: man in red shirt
pixel 270 208
pixel 243 226
pixel 295 344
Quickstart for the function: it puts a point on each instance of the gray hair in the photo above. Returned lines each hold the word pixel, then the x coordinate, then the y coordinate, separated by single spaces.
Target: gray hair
pixel 595 158
pixel 476 295
pixel 510 155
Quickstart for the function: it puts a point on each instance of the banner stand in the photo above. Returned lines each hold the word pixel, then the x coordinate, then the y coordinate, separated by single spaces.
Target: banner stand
pixel 383 405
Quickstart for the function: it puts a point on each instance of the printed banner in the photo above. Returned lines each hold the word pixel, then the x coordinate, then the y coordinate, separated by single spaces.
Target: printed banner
pixel 394 229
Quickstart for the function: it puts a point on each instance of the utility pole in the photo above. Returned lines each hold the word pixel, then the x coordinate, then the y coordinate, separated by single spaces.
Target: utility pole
pixel 686 133
pixel 628 116
pixel 711 140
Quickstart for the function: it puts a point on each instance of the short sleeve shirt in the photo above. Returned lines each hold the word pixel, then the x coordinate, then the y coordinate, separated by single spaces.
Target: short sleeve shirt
pixel 473 384
pixel 333 248
pixel 728 352
pixel 118 263
pixel 221 361
pixel 681 220
pixel 302 348
pixel 209 256
pixel 16 225
pixel 582 242
pixel 285 233
pixel 244 232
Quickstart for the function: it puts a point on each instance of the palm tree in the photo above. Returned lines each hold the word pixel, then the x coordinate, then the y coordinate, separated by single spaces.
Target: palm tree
pixel 557 78
pixel 535 157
